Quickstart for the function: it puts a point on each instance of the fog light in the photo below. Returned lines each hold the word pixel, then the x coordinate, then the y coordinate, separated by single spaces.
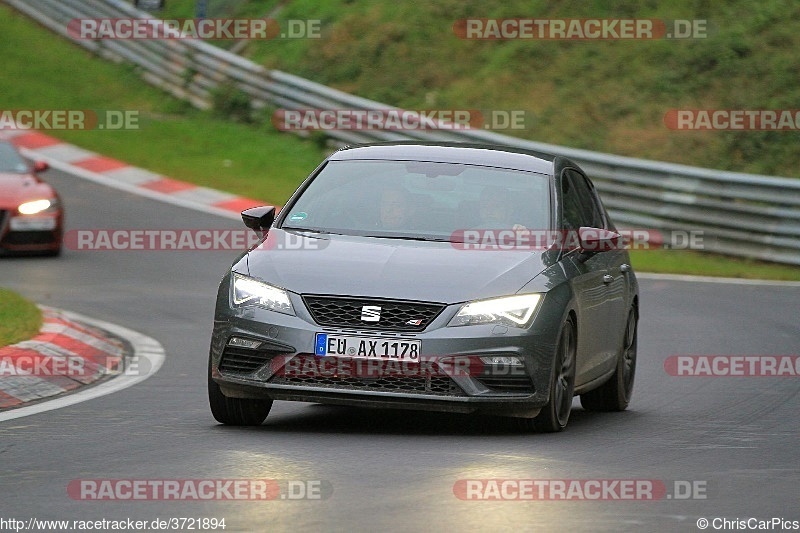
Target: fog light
pixel 501 360
pixel 244 343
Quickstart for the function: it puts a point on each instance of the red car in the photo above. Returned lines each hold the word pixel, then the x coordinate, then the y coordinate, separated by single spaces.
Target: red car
pixel 31 216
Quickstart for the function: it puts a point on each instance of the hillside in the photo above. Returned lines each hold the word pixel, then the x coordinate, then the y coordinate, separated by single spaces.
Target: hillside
pixel 605 95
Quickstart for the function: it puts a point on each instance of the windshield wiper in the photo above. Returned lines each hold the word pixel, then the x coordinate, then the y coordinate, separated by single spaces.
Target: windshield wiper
pixel 408 238
pixel 311 230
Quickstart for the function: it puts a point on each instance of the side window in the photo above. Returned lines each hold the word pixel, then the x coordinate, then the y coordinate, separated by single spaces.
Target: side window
pixel 571 205
pixel 591 214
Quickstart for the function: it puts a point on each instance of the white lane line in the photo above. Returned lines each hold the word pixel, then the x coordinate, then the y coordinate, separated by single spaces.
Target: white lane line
pixel 144 349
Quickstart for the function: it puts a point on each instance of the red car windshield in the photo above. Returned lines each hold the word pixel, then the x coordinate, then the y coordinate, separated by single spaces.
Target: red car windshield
pixel 11 161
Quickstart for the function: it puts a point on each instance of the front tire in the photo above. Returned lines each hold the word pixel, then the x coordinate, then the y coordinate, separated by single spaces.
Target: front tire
pixel 615 394
pixel 236 411
pixel 554 416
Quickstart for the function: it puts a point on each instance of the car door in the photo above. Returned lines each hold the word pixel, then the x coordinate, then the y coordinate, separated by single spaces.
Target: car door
pixel 599 285
pixel 617 282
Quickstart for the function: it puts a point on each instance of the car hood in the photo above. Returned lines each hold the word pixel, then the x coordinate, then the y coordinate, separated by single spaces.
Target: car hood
pixel 18 188
pixel 390 268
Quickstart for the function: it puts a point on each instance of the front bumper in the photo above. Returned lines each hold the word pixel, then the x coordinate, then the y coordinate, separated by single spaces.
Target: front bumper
pixel 450 376
pixel 34 233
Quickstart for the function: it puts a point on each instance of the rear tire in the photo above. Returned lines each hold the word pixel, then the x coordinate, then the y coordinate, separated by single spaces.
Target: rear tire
pixel 615 394
pixel 554 416
pixel 236 411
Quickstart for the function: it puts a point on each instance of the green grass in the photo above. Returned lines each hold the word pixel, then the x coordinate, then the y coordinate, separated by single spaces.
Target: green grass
pixel 42 71
pixel 19 319
pixel 709 264
pixel 257 161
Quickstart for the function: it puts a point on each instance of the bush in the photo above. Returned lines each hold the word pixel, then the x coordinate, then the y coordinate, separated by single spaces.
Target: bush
pixel 232 103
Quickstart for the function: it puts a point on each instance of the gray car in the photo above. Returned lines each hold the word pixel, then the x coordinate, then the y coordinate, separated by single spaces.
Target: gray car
pixel 445 277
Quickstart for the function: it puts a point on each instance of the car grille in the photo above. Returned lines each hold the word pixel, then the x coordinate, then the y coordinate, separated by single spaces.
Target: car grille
pixel 240 360
pixel 423 383
pixel 395 315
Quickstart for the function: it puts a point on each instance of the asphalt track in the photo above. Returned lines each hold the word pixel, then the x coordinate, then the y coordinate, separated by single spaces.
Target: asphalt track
pixel 390 471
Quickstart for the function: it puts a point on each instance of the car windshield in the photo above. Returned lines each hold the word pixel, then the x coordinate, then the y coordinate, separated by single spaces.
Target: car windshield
pixel 10 160
pixel 419 200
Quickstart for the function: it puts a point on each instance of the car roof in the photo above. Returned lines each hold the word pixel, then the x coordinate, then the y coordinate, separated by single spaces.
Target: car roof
pixel 464 153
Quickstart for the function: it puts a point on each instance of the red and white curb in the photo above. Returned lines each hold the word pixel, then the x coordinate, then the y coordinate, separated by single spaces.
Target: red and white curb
pixel 70 353
pixel 119 175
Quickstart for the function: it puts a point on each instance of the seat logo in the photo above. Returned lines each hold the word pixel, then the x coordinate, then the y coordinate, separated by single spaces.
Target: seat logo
pixel 370 313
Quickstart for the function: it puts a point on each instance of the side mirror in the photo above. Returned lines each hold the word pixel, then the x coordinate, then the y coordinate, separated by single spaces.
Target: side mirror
pixel 596 240
pixel 40 166
pixel 259 219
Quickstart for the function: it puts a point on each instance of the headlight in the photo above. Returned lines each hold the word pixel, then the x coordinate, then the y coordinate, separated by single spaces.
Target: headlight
pixel 510 310
pixel 36 206
pixel 248 291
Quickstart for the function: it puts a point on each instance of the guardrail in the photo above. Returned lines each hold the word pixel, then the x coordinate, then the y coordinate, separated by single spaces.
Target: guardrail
pixel 739 214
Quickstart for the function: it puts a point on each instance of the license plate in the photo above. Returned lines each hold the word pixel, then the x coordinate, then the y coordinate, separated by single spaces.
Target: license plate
pixel 367 347
pixel 32 224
